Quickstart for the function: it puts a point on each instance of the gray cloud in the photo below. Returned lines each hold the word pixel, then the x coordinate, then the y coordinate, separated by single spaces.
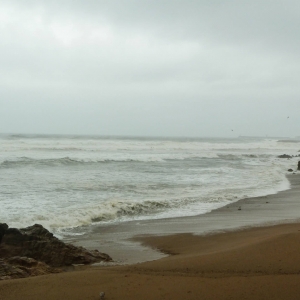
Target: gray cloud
pixel 153 68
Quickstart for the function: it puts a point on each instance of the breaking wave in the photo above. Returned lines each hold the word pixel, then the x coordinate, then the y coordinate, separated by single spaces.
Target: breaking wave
pixel 68 161
pixel 64 183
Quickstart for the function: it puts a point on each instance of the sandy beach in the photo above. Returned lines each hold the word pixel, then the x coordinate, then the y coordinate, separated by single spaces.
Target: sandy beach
pixel 230 253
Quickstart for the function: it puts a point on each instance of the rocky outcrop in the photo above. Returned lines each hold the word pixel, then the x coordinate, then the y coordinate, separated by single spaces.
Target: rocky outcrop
pixel 34 249
pixel 21 267
pixel 285 156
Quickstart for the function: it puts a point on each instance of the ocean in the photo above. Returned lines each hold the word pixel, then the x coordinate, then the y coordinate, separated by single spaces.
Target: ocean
pixel 70 183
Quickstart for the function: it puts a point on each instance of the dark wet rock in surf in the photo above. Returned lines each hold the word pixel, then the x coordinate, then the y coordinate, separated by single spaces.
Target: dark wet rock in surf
pixel 284 156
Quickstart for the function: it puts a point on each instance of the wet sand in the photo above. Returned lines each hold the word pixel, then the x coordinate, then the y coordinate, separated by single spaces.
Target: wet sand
pixel 227 254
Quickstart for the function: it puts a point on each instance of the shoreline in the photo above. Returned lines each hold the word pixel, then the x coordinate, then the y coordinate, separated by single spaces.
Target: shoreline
pixel 122 242
pixel 253 262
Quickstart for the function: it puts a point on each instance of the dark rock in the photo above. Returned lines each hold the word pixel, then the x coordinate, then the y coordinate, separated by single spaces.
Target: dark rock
pixel 38 243
pixel 290 170
pixel 285 156
pixel 35 243
pixel 298 166
pixel 3 228
pixel 20 267
pixel 9 271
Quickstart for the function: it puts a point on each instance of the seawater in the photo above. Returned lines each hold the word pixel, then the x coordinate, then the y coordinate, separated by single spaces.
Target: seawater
pixel 70 183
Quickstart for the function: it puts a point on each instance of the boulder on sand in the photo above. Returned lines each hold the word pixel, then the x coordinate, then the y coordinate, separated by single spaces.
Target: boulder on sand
pixel 21 267
pixel 37 243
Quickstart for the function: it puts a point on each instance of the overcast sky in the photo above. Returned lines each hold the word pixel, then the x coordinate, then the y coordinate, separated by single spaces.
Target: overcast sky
pixel 158 68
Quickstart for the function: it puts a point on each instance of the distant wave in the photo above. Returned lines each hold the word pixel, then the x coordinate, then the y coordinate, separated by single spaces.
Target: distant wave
pixel 26 161
pixel 62 149
pixel 289 141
